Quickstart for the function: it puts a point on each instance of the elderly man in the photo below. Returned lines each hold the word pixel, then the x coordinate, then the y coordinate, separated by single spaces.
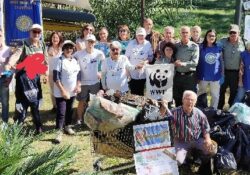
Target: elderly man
pixel 187 58
pixel 114 70
pixel 28 91
pixel 152 36
pixel 231 49
pixel 168 37
pixel 89 60
pixel 190 127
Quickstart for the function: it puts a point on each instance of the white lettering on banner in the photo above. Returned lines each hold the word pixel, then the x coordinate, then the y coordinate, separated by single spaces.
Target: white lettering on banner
pixel 159 81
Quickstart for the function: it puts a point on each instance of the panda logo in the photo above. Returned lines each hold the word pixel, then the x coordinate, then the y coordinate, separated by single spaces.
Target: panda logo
pixel 158 78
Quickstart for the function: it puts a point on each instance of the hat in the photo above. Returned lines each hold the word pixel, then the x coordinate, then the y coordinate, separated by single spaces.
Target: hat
pixel 141 31
pixel 68 42
pixel 90 37
pixel 234 28
pixel 36 26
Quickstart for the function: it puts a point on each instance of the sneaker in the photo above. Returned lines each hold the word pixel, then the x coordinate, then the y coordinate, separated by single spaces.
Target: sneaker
pixel 58 138
pixel 78 122
pixel 39 131
pixel 69 130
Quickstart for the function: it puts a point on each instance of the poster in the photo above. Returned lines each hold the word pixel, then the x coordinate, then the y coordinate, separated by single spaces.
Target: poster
pixel 159 161
pixel 159 81
pixel 152 135
pixel 19 17
pixel 247 28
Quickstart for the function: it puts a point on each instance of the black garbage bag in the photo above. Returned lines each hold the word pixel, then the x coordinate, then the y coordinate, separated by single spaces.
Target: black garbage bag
pixel 245 160
pixel 224 160
pixel 202 101
pixel 224 137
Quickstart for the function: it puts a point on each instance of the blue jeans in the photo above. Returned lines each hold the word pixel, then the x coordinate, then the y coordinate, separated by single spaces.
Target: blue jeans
pixel 240 95
pixel 4 99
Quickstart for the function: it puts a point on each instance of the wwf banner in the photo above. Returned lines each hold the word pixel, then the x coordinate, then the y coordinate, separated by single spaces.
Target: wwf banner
pixel 159 81
pixel 19 17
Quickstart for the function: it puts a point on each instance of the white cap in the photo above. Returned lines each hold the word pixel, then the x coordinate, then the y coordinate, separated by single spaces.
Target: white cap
pixel 68 42
pixel 90 37
pixel 141 31
pixel 36 26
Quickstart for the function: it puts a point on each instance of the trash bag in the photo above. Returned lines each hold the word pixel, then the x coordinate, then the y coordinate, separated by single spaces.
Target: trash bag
pixel 242 112
pixel 224 160
pixel 245 160
pixel 105 115
pixel 202 101
pixel 224 137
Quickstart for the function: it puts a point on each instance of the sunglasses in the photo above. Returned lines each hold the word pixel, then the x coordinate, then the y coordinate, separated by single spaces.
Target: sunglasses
pixel 211 36
pixel 114 49
pixel 121 31
pixel 36 31
pixel 232 32
pixel 88 29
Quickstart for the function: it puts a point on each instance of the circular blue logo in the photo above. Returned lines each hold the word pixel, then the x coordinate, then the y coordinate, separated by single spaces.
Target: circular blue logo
pixel 210 58
pixel 23 23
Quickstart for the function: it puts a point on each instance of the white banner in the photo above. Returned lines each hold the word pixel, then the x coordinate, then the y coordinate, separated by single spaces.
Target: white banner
pixel 159 161
pixel 77 3
pixel 247 28
pixel 159 81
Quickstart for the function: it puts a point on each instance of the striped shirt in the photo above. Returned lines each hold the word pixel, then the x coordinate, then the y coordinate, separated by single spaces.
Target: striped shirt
pixel 189 127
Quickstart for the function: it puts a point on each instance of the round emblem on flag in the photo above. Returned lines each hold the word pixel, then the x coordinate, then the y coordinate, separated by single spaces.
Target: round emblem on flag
pixel 24 23
pixel 210 58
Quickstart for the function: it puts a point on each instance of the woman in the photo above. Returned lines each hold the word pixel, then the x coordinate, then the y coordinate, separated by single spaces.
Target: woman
pixel 210 67
pixel 66 75
pixel 169 50
pixel 103 44
pixel 123 37
pixel 54 51
pixel 86 30
pixel 138 51
pixel 244 75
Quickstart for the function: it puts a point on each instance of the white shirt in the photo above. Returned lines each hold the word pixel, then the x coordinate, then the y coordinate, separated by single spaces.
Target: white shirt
pixel 69 69
pixel 5 53
pixel 52 59
pixel 115 73
pixel 137 53
pixel 89 65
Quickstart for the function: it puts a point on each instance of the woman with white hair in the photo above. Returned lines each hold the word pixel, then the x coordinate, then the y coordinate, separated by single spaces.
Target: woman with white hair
pixel 114 70
pixel 138 51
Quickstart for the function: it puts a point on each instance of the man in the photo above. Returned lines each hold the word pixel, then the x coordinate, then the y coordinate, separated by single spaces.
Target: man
pixel 152 36
pixel 190 127
pixel 5 79
pixel 196 35
pixel 187 58
pixel 231 49
pixel 168 37
pixel 89 60
pixel 28 91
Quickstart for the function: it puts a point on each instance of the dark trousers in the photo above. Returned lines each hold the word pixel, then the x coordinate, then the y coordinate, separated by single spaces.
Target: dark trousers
pixel 34 109
pixel 137 86
pixel 231 81
pixel 182 83
pixel 64 112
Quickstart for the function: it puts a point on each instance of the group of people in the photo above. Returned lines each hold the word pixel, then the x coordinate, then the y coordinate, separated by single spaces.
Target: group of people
pixel 77 69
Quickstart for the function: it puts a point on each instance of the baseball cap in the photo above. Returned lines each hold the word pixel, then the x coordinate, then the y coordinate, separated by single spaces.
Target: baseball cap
pixel 234 28
pixel 68 42
pixel 36 26
pixel 141 31
pixel 90 37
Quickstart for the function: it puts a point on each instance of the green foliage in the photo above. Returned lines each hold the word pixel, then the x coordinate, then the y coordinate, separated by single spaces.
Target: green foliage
pixel 17 156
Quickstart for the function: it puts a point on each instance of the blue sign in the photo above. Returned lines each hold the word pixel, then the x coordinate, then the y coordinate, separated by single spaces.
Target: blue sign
pixel 19 17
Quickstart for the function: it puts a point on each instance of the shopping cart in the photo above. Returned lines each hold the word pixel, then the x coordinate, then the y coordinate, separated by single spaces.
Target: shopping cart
pixel 116 142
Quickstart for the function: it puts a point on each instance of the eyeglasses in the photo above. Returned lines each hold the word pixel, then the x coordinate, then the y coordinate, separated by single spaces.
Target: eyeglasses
pixel 90 41
pixel 232 32
pixel 36 31
pixel 114 49
pixel 168 49
pixel 88 29
pixel 121 31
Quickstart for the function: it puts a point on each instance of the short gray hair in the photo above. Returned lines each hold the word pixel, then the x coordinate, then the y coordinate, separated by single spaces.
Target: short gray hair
pixel 116 44
pixel 189 93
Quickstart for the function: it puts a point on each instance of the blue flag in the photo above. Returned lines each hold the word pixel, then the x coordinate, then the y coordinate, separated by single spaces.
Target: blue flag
pixel 19 17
